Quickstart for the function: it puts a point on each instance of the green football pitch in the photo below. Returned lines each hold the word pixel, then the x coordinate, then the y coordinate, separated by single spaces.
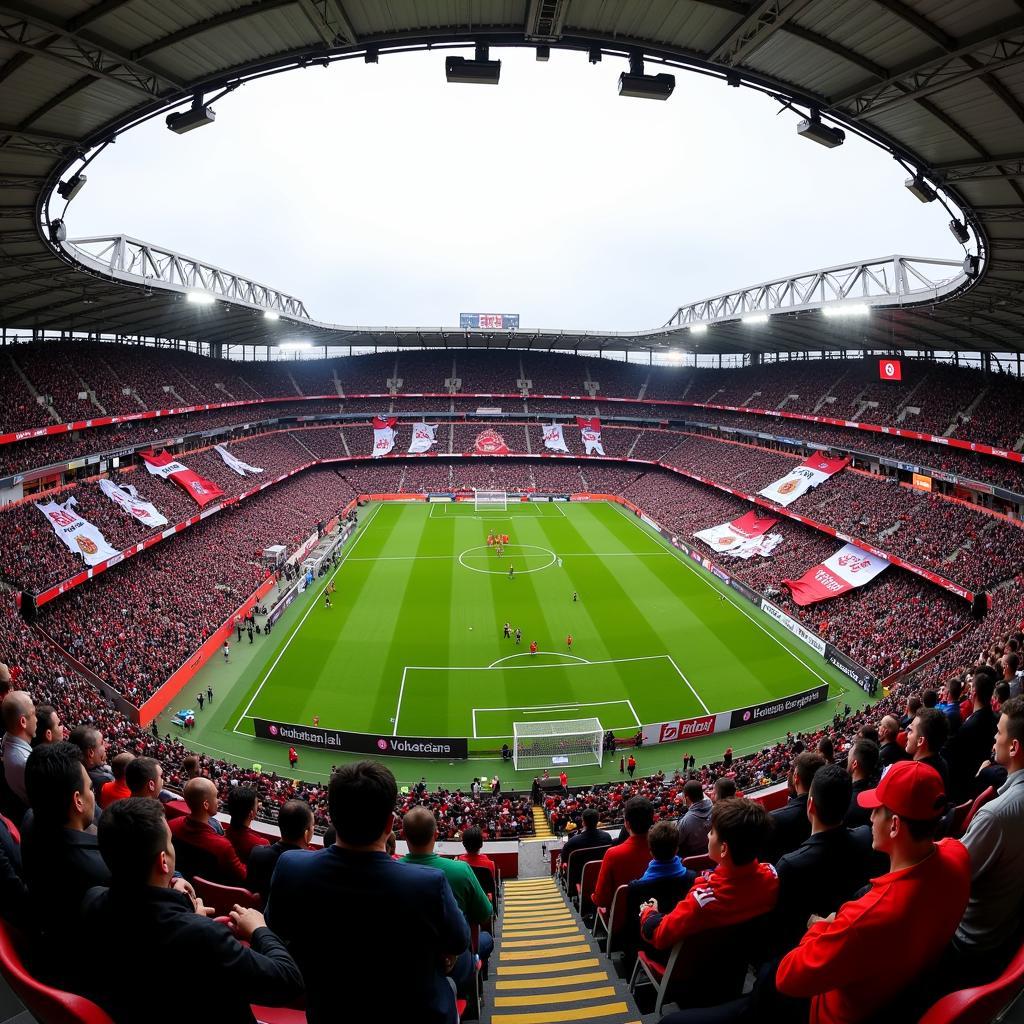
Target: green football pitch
pixel 413 644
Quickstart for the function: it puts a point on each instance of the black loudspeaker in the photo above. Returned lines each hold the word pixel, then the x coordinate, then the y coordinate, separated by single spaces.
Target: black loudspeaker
pixel 979 607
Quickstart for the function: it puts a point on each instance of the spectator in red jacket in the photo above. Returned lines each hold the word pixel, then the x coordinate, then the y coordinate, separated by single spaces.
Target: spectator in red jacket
pixel 914 909
pixel 626 862
pixel 243 806
pixel 118 788
pixel 199 850
pixel 739 889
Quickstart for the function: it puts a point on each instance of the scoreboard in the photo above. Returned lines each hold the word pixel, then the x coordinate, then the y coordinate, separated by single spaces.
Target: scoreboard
pixel 489 321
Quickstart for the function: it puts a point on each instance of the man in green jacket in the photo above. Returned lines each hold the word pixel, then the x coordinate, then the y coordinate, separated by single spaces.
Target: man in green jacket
pixel 419 828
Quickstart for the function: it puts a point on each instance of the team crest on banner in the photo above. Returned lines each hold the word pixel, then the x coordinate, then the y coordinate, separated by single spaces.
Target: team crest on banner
pixel 590 433
pixel 490 442
pixel 78 535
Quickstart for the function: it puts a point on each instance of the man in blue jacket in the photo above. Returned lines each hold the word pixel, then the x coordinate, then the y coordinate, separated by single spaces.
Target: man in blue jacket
pixel 372 936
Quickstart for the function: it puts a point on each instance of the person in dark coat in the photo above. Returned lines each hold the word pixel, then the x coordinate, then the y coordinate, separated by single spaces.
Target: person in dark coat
pixel 363 927
pixel 148 916
pixel 295 820
pixel 863 764
pixel 790 826
pixel 972 743
pixel 828 867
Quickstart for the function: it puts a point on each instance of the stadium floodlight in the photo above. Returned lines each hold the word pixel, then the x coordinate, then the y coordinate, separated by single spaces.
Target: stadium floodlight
pixel 271 314
pixel 58 231
pixel 644 87
pixel 70 188
pixel 478 71
pixel 543 53
pixel 698 328
pixel 812 128
pixel 594 55
pixel 566 743
pixel 920 189
pixel 850 309
pixel 754 319
pixel 971 266
pixel 961 232
pixel 195 117
pixel 200 298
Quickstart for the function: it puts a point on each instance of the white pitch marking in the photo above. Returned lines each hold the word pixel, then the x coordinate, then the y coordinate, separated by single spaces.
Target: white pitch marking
pixel 312 604
pixel 398 708
pixel 639 724
pixel 554 654
pixel 688 683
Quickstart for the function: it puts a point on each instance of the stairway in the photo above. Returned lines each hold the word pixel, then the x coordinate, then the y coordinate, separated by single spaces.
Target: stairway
pixel 547 969
pixel 542 830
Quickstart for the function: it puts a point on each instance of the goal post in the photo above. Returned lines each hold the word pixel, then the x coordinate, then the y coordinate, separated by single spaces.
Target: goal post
pixel 557 744
pixel 497 500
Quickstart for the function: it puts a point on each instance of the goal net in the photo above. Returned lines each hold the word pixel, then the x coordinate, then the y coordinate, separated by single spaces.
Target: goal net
pixel 559 744
pixel 490 499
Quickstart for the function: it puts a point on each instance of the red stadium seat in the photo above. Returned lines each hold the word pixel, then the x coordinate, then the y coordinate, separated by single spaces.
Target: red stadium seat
pixel 278 1015
pixel 51 1005
pixel 699 862
pixel 979 1005
pixel 959 818
pixel 224 897
pixel 979 801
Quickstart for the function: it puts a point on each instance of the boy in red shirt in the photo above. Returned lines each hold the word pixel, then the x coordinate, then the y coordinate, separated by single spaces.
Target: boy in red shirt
pixel 912 911
pixel 739 889
pixel 473 841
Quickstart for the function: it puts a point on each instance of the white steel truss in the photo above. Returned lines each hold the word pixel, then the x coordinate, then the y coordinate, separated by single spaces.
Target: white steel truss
pixel 885 282
pixel 128 259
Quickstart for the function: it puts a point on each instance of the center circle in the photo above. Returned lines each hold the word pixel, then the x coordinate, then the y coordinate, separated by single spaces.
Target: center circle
pixel 483 553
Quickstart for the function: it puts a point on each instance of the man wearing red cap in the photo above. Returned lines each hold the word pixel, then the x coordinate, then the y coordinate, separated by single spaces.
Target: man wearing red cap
pixel 915 908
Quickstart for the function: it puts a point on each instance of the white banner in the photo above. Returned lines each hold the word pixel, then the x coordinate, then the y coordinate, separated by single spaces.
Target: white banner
pixel 554 440
pixel 800 632
pixel 762 547
pixel 235 463
pixel 383 435
pixel 423 438
pixel 590 432
pixel 127 497
pixel 811 472
pixel 80 537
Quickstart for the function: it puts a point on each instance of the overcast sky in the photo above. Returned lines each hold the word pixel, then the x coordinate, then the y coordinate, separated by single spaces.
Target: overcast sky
pixel 381 195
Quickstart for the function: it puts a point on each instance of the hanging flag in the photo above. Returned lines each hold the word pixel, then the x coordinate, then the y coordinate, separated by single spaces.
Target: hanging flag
pixel 383 435
pixel 590 431
pixel 200 490
pixel 554 440
pixel 423 438
pixel 848 568
pixel 812 471
pixel 762 546
pixel 235 463
pixel 127 497
pixel 80 537
pixel 729 536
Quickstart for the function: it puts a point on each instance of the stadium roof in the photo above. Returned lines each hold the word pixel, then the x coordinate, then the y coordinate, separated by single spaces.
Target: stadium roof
pixel 938 82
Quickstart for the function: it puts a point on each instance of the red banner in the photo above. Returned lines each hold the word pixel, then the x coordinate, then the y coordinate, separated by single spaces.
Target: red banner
pixel 202 491
pixel 850 567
